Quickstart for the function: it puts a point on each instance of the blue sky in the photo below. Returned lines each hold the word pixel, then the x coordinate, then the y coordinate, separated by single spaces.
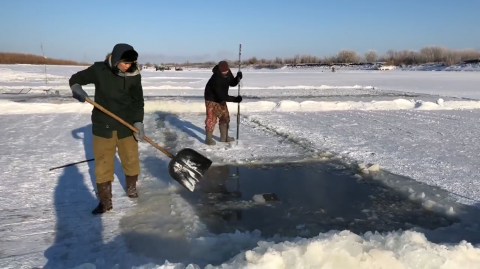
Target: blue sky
pixel 210 29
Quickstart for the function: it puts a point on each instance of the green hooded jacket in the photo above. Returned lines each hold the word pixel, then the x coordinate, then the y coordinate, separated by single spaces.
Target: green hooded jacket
pixel 119 92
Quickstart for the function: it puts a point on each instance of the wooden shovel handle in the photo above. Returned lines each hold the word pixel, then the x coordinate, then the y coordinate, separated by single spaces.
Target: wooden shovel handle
pixel 104 110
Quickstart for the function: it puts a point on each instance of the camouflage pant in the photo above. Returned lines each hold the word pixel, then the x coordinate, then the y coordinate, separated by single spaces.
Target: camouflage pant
pixel 214 111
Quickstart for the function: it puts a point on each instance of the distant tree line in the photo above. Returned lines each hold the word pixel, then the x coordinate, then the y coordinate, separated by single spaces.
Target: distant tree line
pixel 429 54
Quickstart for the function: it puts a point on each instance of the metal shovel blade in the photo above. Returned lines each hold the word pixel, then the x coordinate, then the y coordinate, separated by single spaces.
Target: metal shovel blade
pixel 188 167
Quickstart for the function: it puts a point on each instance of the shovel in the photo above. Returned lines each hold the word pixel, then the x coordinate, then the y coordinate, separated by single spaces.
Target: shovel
pixel 187 167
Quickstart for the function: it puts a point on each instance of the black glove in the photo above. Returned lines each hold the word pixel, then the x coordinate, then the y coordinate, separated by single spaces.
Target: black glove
pixel 78 93
pixel 239 75
pixel 238 99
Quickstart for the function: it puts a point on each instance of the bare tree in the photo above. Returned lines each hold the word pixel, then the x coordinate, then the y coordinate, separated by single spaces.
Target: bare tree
pixel 468 54
pixel 289 61
pixel 253 60
pixel 348 56
pixel 296 59
pixel 453 57
pixel 330 60
pixel 309 59
pixel 389 57
pixel 264 61
pixel 427 54
pixel 371 56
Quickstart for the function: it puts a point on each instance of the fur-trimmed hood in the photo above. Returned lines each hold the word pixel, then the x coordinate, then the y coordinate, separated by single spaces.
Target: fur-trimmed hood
pixel 123 52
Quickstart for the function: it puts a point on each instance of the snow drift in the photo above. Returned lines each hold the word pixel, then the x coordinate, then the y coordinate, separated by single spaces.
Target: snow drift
pixel 173 106
pixel 397 250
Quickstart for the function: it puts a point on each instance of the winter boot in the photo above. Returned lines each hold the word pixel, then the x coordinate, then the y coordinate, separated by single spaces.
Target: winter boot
pixel 209 139
pixel 105 197
pixel 131 182
pixel 224 134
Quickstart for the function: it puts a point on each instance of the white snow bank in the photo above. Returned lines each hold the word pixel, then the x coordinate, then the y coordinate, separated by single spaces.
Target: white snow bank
pixel 397 250
pixel 158 86
pixel 348 250
pixel 307 87
pixel 166 87
pixel 172 106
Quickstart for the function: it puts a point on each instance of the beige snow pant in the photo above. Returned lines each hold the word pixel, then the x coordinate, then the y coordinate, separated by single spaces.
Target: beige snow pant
pixel 104 150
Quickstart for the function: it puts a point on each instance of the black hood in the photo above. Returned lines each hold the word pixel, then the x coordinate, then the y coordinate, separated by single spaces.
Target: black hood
pixel 123 51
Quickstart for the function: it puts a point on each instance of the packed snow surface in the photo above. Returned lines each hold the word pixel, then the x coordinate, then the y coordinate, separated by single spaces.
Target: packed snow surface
pixel 45 218
pixel 263 82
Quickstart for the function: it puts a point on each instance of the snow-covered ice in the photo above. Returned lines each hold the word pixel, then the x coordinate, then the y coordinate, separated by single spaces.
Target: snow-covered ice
pixel 273 83
pixel 416 124
pixel 435 147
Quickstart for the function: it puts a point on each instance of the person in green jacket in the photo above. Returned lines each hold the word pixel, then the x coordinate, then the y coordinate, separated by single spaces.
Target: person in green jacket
pixel 118 88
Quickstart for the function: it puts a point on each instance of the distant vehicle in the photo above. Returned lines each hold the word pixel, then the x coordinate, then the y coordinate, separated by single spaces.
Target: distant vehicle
pixel 161 67
pixel 178 69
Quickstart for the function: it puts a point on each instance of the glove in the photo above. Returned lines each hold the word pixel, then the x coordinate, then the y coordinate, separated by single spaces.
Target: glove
pixel 239 75
pixel 141 131
pixel 238 99
pixel 78 93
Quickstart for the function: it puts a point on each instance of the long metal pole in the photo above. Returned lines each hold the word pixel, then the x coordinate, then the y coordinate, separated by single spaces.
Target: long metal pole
pixel 45 65
pixel 238 107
